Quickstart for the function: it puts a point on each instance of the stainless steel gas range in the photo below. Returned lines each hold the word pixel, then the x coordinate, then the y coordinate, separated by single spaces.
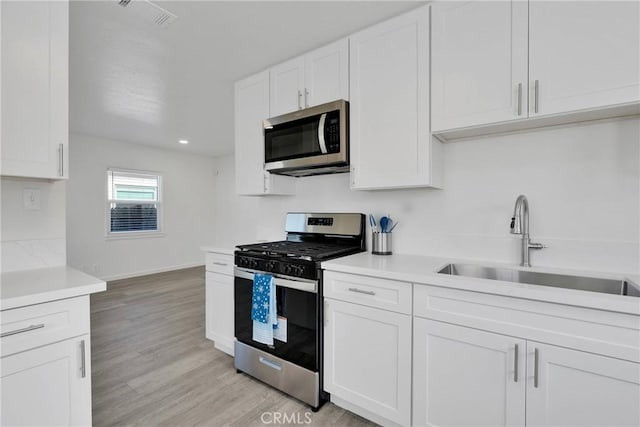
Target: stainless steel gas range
pixel 293 363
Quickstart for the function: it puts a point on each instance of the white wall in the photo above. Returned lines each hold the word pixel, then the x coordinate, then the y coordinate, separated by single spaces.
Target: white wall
pixel 582 182
pixel 188 209
pixel 32 238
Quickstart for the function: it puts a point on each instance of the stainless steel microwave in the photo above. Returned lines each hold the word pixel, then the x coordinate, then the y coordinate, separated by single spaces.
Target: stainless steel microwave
pixel 307 142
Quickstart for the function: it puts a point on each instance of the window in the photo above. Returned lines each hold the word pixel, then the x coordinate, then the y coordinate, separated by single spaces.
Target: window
pixel 133 202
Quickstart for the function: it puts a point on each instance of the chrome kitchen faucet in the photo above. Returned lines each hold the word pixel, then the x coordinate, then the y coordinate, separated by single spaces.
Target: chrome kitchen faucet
pixel 520 225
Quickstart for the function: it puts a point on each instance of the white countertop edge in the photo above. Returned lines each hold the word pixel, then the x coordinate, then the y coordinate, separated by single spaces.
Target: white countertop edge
pixel 218 249
pixel 43 297
pixel 37 286
pixel 374 265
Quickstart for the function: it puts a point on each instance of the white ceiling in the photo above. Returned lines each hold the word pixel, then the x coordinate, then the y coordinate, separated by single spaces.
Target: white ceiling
pixel 134 81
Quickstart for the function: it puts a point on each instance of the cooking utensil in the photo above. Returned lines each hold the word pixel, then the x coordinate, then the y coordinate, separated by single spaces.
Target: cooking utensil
pixel 384 224
pixel 372 222
pixel 393 226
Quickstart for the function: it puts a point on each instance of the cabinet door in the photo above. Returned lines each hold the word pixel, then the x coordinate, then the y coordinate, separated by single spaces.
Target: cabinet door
pixel 220 310
pixel 327 74
pixel 251 108
pixel 463 376
pixel 287 87
pixel 583 54
pixel 47 386
pixel 573 388
pixel 367 359
pixel 389 111
pixel 479 63
pixel 35 94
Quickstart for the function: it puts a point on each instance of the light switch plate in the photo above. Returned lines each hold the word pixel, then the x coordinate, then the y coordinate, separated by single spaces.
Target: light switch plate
pixel 31 199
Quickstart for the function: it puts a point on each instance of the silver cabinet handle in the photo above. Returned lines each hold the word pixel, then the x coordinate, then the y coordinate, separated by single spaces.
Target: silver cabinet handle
pixel 19 331
pixel 265 183
pixel 519 99
pixel 224 264
pixel 299 100
pixel 306 97
pixel 326 318
pixel 536 357
pixel 515 364
pixel 83 366
pixel 360 291
pixel 61 159
pixel 536 95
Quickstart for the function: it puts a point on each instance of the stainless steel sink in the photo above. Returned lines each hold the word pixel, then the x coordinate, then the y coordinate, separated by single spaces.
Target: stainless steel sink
pixel 591 284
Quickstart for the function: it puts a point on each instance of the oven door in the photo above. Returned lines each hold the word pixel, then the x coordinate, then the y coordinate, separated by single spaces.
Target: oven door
pixel 297 303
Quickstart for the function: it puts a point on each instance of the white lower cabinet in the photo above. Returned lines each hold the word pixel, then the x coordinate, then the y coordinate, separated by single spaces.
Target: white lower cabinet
pixel 367 360
pixel 49 385
pixel 464 377
pixel 576 388
pixel 219 306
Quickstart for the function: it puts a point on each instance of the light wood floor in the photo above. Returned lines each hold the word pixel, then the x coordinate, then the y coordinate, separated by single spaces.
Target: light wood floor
pixel 153 366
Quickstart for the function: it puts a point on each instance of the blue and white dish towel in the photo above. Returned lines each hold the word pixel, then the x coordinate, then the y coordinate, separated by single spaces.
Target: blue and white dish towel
pixel 264 312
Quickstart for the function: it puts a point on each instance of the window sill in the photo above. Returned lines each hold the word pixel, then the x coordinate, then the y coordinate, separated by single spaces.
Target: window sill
pixel 134 235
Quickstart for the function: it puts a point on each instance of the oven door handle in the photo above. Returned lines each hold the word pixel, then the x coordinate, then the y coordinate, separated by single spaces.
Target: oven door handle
pixel 305 285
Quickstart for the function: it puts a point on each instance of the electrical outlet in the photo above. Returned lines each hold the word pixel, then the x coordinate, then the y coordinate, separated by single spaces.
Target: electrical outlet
pixel 31 199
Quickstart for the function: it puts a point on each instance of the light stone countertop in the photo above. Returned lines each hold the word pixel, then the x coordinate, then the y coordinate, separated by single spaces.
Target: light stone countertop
pixel 22 288
pixel 218 249
pixel 423 270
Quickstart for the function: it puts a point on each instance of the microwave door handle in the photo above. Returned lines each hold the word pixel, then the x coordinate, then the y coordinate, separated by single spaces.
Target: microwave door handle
pixel 321 141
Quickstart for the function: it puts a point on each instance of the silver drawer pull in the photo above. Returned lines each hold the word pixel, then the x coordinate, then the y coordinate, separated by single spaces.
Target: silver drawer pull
pixel 224 264
pixel 19 331
pixel 270 363
pixel 360 291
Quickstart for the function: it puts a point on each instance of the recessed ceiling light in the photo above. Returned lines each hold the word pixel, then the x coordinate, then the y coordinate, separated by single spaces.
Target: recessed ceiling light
pixel 183 141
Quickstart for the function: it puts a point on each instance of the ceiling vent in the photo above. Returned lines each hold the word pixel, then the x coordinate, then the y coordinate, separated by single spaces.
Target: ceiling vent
pixel 149 12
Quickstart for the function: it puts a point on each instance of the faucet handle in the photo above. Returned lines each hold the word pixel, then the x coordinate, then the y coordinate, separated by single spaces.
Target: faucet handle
pixel 513 223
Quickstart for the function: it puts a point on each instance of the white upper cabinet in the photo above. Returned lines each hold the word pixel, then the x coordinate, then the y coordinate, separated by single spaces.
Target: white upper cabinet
pixel 391 146
pixel 583 54
pixel 319 76
pixel 287 87
pixel 327 74
pixel 251 108
pixel 35 89
pixel 550 62
pixel 479 63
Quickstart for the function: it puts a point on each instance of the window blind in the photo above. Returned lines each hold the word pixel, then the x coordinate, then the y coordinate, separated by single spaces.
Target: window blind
pixel 133 201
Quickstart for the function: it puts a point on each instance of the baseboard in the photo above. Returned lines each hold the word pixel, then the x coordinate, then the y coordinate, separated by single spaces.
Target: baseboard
pixel 152 271
pixel 364 413
pixel 224 344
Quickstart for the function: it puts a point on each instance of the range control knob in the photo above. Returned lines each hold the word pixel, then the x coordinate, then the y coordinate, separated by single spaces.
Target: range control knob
pixel 298 270
pixel 270 266
pixel 288 269
pixel 253 263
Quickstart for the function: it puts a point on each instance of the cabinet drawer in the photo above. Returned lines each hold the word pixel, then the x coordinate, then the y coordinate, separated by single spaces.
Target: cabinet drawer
pixel 370 291
pixel 219 263
pixel 35 325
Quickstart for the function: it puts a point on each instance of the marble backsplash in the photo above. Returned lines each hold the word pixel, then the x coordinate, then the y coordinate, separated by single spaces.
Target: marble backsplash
pixel 29 254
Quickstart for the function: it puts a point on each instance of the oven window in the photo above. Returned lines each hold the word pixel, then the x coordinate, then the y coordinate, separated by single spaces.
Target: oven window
pixel 300 310
pixel 292 140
